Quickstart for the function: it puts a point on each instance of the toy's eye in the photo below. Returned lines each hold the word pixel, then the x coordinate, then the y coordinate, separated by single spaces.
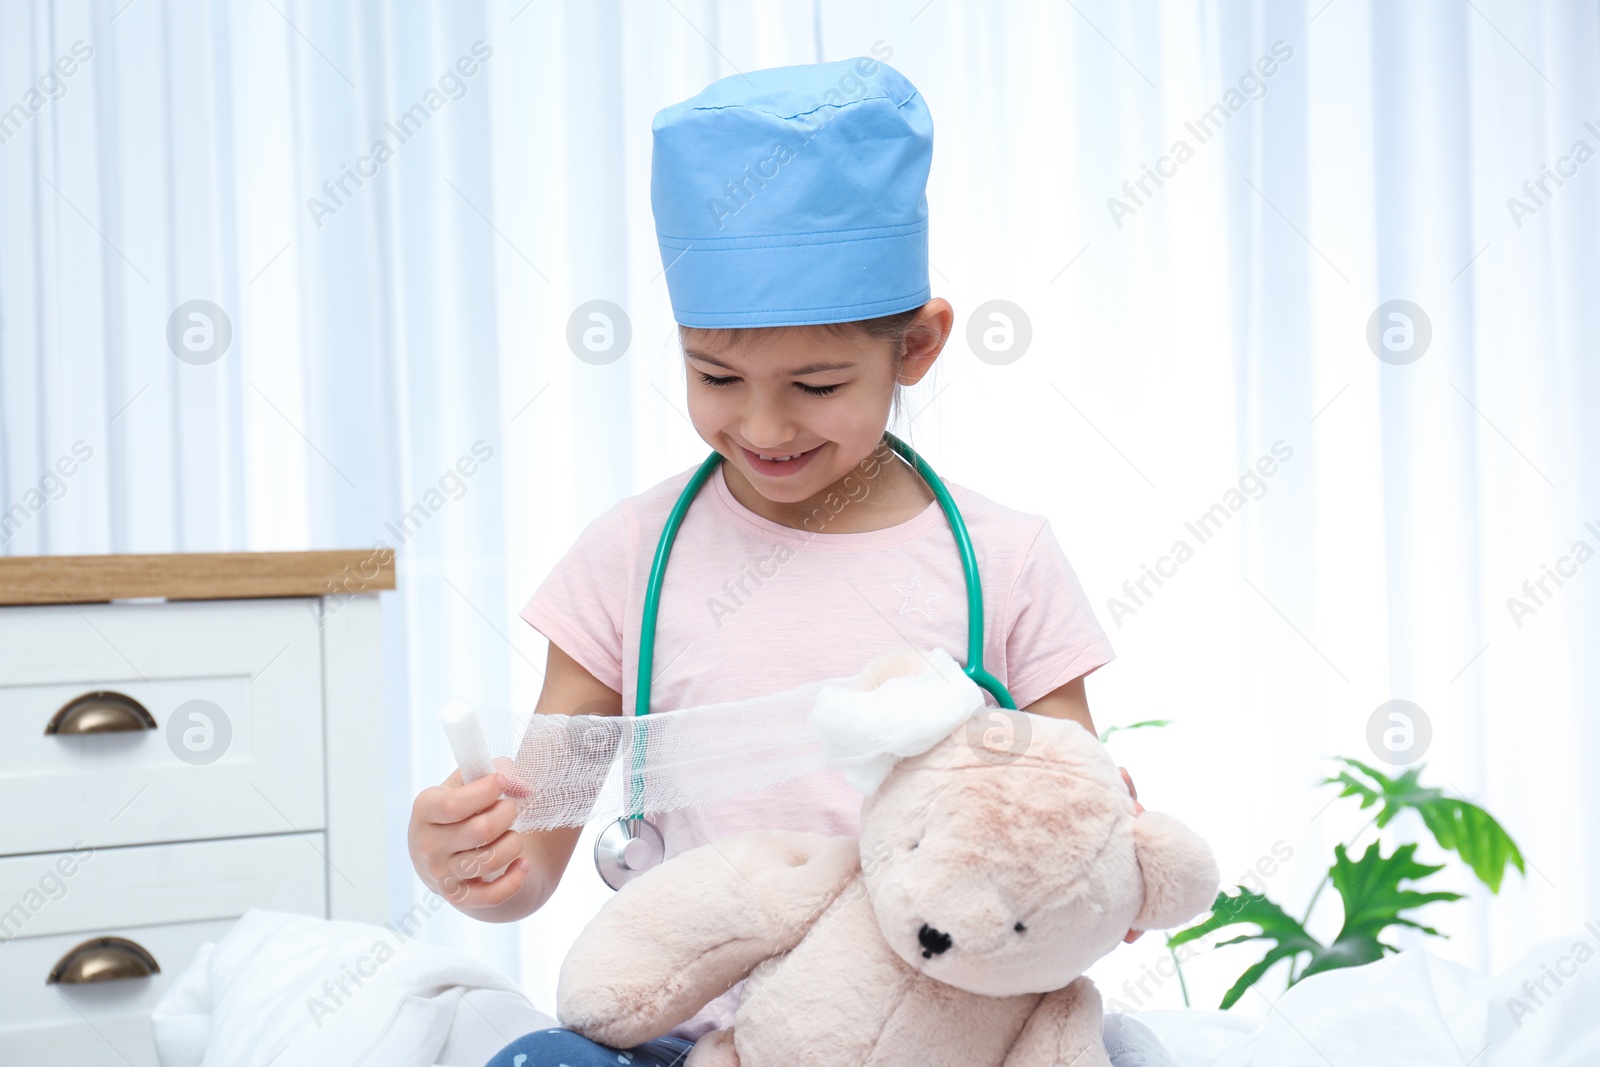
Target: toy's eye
pixel 1019 928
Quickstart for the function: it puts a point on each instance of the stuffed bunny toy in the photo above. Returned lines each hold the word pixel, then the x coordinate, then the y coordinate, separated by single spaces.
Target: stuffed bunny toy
pixel 999 855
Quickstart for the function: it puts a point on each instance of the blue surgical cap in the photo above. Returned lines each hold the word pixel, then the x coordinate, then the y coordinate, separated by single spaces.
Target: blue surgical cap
pixel 794 195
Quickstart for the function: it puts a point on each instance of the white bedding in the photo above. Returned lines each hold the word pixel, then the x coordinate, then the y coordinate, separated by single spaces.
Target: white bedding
pixel 268 992
pixel 258 997
pixel 1411 1010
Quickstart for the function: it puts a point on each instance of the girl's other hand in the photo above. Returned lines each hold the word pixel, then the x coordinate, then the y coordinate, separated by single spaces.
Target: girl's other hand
pixel 458 833
pixel 1132 935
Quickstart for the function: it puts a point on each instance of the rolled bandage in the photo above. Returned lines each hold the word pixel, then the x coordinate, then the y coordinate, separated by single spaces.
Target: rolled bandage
pixel 463 728
pixel 468 743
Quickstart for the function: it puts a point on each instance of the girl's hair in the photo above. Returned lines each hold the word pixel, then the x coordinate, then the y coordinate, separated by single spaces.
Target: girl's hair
pixel 896 329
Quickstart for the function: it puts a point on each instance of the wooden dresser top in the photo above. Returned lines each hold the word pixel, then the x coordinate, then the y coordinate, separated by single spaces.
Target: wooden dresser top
pixel 194 576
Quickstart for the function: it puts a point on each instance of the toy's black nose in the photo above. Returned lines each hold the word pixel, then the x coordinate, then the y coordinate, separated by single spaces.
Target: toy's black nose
pixel 933 941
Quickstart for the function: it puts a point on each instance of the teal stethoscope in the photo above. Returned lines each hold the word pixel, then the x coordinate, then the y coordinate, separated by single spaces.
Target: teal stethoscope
pixel 632 844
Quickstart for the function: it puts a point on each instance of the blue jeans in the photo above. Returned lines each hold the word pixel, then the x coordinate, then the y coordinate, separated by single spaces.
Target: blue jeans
pixel 563 1048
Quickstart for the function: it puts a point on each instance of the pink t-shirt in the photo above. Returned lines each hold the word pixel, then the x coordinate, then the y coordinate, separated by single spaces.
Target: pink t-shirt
pixel 749 607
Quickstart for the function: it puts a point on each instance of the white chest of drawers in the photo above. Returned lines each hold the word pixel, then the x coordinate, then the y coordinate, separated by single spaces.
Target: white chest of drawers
pixel 166 765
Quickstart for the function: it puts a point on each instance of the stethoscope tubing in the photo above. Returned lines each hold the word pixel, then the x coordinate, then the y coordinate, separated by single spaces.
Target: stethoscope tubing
pixel 658 569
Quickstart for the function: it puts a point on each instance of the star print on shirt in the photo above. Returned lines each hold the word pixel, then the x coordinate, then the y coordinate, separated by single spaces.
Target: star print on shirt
pixel 910 591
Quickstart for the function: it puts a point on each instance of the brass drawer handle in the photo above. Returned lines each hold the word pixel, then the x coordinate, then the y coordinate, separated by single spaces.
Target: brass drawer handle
pixel 101 713
pixel 103 959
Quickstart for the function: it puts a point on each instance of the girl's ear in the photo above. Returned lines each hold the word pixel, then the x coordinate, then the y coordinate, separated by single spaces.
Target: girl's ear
pixel 1180 873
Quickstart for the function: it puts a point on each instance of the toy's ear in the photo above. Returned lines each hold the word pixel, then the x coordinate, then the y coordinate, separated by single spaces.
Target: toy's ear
pixel 1180 873
pixel 896 663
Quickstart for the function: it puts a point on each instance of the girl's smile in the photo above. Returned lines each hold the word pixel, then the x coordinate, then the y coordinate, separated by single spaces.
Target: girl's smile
pixel 781 468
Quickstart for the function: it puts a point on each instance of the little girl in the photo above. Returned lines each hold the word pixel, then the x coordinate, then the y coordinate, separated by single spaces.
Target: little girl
pixel 792 222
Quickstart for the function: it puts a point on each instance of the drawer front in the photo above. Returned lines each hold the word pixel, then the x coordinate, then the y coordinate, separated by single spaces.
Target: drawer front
pixel 96 889
pixel 102 1025
pixel 233 690
pixel 167 899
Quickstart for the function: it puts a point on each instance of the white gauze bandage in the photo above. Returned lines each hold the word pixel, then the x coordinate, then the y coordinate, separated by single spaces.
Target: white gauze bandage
pixel 903 704
pixel 569 770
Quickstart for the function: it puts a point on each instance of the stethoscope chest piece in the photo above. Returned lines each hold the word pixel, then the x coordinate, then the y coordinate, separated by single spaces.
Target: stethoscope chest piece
pixel 626 849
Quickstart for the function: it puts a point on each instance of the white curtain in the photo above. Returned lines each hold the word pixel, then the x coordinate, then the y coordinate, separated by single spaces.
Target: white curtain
pixel 1336 156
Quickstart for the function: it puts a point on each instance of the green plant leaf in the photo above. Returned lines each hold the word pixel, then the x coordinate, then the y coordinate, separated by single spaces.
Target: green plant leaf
pixel 1373 900
pixel 1109 730
pixel 1289 939
pixel 1457 825
pixel 1473 834
pixel 1373 888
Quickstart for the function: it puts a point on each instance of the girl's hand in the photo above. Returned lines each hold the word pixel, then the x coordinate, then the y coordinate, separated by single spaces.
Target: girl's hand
pixel 1132 935
pixel 459 833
